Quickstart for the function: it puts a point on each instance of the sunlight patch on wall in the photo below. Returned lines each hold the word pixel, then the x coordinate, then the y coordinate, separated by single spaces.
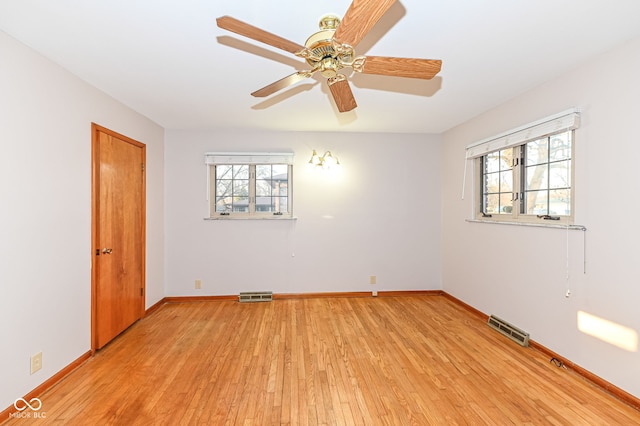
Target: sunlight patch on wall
pixel 615 334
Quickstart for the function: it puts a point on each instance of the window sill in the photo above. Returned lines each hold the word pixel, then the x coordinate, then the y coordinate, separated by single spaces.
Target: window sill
pixel 230 217
pixel 536 225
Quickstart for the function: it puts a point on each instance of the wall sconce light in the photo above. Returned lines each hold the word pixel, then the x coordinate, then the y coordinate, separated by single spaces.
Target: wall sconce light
pixel 325 161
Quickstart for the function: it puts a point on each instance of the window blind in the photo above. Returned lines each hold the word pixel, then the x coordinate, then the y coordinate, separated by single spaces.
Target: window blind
pixel 561 122
pixel 248 158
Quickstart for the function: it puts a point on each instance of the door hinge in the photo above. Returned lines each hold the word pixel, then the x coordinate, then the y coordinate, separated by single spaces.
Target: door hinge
pixel 141 291
pixel 142 167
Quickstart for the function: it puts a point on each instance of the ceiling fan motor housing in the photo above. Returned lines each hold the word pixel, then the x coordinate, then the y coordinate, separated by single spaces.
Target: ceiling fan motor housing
pixel 325 55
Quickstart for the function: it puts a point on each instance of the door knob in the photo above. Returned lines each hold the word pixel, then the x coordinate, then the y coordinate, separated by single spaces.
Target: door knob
pixel 106 250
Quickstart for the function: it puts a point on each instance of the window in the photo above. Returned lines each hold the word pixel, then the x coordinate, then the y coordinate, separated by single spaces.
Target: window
pixel 530 179
pixel 249 185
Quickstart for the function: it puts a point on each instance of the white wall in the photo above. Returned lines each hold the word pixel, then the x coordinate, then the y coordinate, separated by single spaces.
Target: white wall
pixel 520 273
pixel 45 213
pixel 380 215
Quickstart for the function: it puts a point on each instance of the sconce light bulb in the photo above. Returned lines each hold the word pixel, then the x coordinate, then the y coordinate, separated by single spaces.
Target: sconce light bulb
pixel 325 162
pixel 315 159
pixel 329 159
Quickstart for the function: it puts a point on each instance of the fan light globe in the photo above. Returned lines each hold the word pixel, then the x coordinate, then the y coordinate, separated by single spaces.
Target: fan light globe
pixel 329 22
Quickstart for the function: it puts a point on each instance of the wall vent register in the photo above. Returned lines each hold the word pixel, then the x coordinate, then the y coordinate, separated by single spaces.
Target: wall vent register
pixel 256 296
pixel 512 332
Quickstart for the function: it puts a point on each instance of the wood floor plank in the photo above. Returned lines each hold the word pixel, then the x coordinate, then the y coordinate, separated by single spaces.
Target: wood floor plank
pixel 407 360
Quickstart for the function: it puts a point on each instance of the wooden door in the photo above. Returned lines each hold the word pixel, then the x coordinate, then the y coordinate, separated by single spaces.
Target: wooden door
pixel 118 234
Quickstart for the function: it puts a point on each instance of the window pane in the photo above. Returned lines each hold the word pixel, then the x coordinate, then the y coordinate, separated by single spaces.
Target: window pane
pixel 506 181
pixel 506 204
pixel 537 152
pixel 492 162
pixel 497 161
pixel 272 204
pixel 282 189
pixel 241 171
pixel 560 147
pixel 263 204
pixel 280 171
pixel 263 184
pixel 498 204
pixel 537 177
pixel 506 159
pixel 492 183
pixel 223 204
pixel 492 203
pixel 560 202
pixel 263 188
pixel 280 177
pixel 263 171
pixel 560 176
pixel 240 188
pixel 537 202
pixel 241 204
pixel 280 204
pixel 223 187
pixel 224 172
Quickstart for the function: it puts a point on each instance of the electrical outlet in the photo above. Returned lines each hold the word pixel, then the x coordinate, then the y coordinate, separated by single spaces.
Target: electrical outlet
pixel 372 279
pixel 374 293
pixel 198 284
pixel 36 362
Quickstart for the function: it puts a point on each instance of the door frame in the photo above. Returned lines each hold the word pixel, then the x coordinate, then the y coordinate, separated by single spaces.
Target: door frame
pixel 95 220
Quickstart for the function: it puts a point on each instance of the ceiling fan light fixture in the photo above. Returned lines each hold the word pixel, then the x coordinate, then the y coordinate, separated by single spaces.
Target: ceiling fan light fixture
pixel 329 67
pixel 329 22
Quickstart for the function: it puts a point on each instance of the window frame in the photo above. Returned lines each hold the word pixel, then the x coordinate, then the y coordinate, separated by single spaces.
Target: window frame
pixel 516 139
pixel 518 186
pixel 251 160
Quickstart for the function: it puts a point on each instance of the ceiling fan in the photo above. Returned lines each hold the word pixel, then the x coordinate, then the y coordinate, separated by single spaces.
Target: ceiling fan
pixel 332 49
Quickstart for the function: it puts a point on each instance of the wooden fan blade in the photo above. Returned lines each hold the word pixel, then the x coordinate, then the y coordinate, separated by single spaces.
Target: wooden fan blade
pixel 402 67
pixel 342 94
pixel 361 16
pixel 231 24
pixel 281 84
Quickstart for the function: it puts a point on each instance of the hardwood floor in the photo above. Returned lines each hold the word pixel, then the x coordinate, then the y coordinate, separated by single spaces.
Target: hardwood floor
pixel 411 360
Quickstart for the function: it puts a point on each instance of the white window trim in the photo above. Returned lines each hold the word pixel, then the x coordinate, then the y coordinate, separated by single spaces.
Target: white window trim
pixel 567 120
pixel 249 158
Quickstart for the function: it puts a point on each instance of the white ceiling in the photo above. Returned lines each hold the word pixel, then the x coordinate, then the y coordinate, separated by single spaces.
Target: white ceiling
pixel 169 61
